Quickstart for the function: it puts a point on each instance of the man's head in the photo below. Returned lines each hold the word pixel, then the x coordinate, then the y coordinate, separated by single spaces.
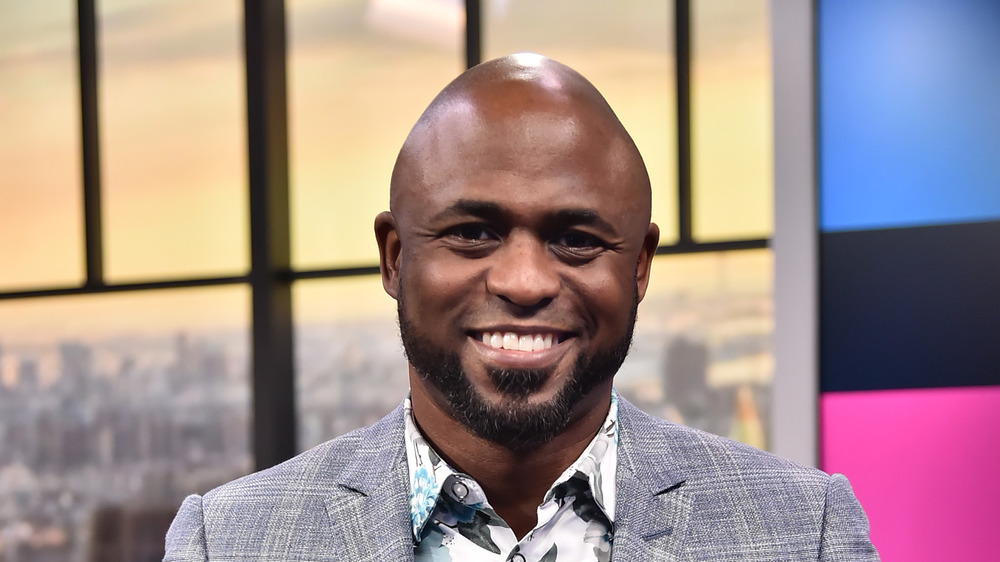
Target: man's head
pixel 518 246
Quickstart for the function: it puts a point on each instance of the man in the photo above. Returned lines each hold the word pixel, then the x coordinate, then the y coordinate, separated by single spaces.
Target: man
pixel 518 245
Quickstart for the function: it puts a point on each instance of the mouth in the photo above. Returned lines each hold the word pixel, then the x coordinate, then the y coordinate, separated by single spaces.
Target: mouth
pixel 520 341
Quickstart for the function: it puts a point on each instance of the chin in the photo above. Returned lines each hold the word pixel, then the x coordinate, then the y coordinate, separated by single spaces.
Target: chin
pixel 526 407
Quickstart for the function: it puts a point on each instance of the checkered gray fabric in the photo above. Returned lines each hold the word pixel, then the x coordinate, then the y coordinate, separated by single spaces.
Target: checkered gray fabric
pixel 682 495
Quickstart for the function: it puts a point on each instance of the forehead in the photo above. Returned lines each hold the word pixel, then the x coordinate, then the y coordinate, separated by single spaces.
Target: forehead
pixel 531 156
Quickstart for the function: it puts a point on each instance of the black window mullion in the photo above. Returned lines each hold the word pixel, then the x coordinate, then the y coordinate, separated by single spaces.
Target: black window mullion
pixel 682 69
pixel 90 143
pixel 274 427
pixel 473 33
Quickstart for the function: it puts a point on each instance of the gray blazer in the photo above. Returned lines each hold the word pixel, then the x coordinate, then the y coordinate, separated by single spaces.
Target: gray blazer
pixel 682 495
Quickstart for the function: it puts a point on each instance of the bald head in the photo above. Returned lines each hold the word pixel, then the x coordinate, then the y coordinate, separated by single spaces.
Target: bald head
pixel 513 106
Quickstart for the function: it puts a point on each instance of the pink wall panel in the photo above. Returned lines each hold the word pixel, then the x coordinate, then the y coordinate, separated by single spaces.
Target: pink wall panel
pixel 925 463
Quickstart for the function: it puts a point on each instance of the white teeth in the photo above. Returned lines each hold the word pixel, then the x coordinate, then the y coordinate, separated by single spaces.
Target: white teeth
pixel 510 340
pixel 539 342
pixel 525 343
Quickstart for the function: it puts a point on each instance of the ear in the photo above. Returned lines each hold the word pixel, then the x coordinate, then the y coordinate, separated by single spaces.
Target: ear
pixel 389 252
pixel 645 261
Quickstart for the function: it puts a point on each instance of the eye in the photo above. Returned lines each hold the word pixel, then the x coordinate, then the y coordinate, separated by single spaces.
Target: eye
pixel 471 232
pixel 578 240
pixel 576 247
pixel 472 240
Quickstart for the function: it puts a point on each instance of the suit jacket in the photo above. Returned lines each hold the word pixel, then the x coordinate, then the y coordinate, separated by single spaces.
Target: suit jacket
pixel 682 494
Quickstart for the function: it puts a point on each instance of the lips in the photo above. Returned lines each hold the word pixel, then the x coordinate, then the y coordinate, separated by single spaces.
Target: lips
pixel 519 342
pixel 521 347
pixel 525 339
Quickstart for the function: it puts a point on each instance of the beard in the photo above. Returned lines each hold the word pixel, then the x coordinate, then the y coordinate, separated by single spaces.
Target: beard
pixel 515 423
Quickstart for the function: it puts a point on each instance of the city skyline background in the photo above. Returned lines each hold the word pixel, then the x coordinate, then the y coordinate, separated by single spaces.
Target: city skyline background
pixel 122 381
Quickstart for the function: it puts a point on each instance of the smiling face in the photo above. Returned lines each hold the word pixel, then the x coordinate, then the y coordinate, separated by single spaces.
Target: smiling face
pixel 518 246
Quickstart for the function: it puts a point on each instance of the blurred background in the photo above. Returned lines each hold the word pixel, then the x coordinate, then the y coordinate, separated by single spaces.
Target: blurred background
pixel 188 274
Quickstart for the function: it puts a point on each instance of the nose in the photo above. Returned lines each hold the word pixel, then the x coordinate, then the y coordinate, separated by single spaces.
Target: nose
pixel 524 273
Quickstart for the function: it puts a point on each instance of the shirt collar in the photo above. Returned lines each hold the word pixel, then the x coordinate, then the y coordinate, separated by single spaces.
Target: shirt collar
pixel 428 471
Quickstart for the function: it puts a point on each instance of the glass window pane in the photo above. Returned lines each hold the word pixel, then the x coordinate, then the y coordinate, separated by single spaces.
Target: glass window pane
pixel 360 73
pixel 626 49
pixel 173 138
pixel 731 127
pixel 112 409
pixel 350 369
pixel 41 209
pixel 702 349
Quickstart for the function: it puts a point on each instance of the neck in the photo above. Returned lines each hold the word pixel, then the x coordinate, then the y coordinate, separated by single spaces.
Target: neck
pixel 515 481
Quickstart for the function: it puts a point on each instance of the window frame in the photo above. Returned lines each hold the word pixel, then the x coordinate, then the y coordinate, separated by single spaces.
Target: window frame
pixel 271 275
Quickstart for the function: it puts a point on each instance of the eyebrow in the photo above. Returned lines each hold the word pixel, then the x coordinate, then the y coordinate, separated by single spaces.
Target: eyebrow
pixel 492 211
pixel 582 217
pixel 473 207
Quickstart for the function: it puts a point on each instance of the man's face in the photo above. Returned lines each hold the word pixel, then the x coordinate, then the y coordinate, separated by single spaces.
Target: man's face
pixel 523 253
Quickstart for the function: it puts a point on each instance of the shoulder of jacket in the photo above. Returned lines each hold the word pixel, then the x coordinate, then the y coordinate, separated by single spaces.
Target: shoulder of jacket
pixel 695 451
pixel 312 470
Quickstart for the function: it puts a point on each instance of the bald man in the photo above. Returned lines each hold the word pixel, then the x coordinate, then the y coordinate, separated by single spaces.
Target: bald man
pixel 518 245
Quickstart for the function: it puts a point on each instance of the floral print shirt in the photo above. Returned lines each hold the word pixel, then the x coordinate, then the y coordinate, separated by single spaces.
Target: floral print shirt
pixel 453 520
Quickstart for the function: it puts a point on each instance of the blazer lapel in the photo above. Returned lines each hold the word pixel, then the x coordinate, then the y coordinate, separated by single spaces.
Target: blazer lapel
pixel 652 511
pixel 368 504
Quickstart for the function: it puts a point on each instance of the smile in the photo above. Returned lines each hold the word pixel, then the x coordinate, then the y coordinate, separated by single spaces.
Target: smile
pixel 519 342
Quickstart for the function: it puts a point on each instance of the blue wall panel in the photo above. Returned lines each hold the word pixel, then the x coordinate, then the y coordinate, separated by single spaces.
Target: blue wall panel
pixel 910 112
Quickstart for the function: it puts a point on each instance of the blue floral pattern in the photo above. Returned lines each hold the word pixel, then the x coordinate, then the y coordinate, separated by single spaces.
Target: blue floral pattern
pixel 452 519
pixel 423 494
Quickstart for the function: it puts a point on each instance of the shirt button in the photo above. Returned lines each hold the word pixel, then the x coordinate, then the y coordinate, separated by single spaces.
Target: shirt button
pixel 459 490
pixel 517 558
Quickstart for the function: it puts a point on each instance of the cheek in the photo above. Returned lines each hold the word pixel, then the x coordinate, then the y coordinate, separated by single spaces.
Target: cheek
pixel 607 296
pixel 438 283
